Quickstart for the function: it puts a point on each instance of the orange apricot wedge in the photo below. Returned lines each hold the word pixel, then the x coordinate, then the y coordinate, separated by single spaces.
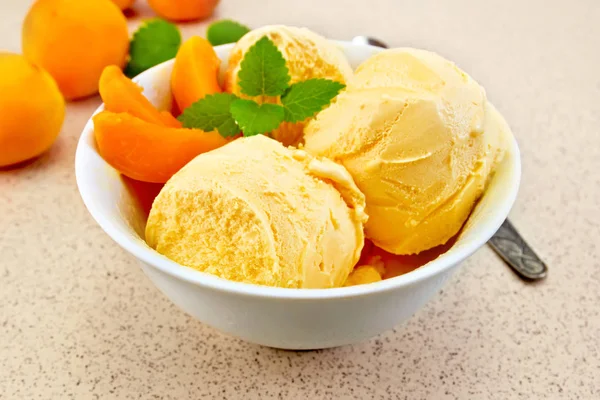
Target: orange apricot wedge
pixel 195 72
pixel 120 94
pixel 149 152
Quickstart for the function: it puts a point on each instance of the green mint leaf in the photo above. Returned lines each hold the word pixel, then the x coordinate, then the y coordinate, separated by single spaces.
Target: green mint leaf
pixel 304 99
pixel 263 71
pixel 254 118
pixel 225 31
pixel 211 112
pixel 154 42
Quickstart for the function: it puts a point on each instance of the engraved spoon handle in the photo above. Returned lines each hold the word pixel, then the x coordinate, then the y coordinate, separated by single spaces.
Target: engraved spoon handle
pixel 506 242
pixel 517 253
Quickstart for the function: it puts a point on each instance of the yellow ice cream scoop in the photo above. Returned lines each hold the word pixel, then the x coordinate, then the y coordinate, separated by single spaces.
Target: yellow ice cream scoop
pixel 420 140
pixel 307 56
pixel 255 211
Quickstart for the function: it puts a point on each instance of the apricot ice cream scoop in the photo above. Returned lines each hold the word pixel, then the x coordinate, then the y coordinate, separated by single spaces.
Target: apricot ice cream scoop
pixel 420 140
pixel 307 54
pixel 255 211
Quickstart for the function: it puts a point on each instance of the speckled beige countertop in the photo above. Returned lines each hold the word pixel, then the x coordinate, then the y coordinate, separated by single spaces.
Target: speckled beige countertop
pixel 79 320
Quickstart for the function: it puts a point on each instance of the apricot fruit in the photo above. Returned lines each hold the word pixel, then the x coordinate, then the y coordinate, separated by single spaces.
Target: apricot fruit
pixel 149 152
pixel 195 72
pixel 123 4
pixel 121 94
pixel 183 10
pixel 32 109
pixel 74 40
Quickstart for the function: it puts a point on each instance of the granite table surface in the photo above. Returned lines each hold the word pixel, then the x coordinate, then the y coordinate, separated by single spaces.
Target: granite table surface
pixel 79 319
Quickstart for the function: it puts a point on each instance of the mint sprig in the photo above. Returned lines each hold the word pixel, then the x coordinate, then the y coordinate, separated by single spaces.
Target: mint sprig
pixel 225 31
pixel 306 98
pixel 263 72
pixel 154 42
pixel 256 118
pixel 212 112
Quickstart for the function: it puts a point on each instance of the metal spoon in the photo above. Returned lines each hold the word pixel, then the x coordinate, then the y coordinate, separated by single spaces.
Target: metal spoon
pixel 507 242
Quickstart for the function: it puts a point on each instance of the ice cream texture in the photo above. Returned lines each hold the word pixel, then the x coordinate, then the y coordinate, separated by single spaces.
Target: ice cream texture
pixel 307 54
pixel 255 211
pixel 420 140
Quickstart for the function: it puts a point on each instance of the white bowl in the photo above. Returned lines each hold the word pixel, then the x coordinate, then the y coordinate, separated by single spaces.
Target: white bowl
pixel 277 317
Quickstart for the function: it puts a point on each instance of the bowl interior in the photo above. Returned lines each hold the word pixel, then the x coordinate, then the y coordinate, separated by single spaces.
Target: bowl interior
pixel 118 212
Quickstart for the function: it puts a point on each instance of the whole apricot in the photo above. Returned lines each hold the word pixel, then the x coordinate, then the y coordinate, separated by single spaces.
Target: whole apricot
pixel 32 107
pixel 183 10
pixel 74 40
pixel 123 4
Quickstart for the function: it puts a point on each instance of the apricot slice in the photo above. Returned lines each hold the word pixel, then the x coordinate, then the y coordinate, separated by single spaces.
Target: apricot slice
pixel 195 73
pixel 149 152
pixel 120 94
pixel 74 40
pixel 143 192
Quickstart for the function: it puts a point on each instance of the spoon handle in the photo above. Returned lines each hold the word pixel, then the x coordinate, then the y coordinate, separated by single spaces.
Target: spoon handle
pixel 516 253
